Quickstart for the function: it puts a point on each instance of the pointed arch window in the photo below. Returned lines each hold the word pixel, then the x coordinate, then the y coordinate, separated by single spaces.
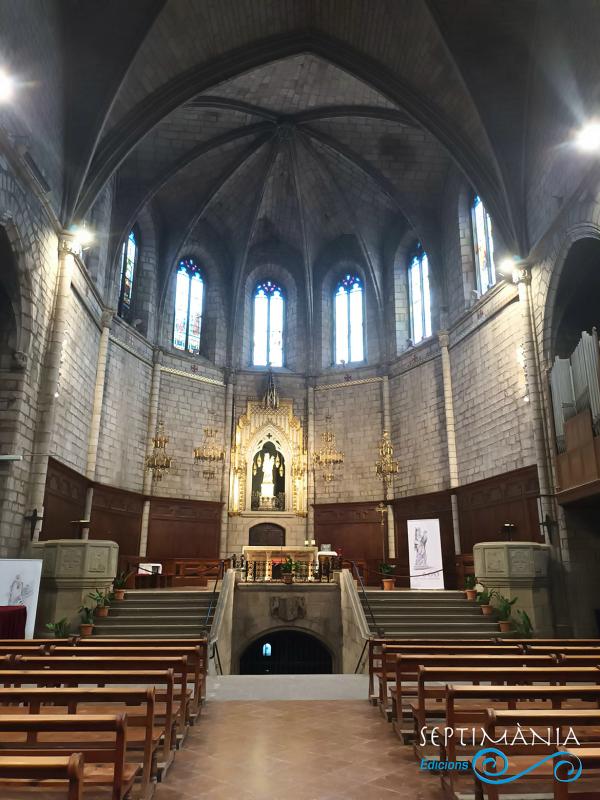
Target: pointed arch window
pixel 483 243
pixel 269 317
pixel 189 302
pixel 419 295
pixel 349 322
pixel 129 258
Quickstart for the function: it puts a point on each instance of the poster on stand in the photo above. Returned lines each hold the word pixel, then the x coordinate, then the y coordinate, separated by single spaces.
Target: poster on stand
pixel 425 554
pixel 20 586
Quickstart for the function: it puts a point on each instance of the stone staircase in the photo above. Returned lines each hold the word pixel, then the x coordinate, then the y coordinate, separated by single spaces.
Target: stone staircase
pixel 162 613
pixel 427 615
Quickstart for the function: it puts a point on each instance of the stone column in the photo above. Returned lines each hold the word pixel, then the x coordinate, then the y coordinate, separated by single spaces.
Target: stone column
pixel 94 434
pixel 227 444
pixel 310 472
pixel 49 389
pixel 443 339
pixel 152 422
pixel 387 426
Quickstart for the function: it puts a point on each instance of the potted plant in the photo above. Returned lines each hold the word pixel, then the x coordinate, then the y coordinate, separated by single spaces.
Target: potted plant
pixel 87 620
pixel 470 590
pixel 119 584
pixel 387 582
pixel 102 603
pixel 523 624
pixel 504 609
pixel 484 599
pixel 288 567
pixel 60 629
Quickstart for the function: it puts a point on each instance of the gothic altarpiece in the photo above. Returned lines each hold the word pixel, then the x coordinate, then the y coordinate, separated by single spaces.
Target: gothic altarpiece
pixel 268 460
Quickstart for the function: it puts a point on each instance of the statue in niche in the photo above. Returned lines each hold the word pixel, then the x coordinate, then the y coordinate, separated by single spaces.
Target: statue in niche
pixel 268 479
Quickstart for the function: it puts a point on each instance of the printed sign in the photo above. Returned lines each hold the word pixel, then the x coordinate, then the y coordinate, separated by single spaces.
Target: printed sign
pixel 425 554
pixel 20 586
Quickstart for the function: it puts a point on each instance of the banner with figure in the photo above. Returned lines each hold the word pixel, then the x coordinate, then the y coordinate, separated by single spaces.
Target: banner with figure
pixel 425 554
pixel 20 585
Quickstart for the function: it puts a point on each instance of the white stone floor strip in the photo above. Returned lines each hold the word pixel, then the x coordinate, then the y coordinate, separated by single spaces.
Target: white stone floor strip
pixel 286 687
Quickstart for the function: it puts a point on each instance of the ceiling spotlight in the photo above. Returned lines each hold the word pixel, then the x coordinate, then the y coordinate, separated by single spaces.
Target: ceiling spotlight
pixel 83 236
pixel 7 87
pixel 588 138
pixel 507 266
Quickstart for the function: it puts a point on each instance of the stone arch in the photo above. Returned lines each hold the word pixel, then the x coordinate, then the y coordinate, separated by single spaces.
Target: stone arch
pixel 271 432
pixel 244 645
pixel 16 287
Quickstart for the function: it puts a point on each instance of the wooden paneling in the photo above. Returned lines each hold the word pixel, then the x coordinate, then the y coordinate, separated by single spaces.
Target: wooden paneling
pixel 64 501
pixel 183 529
pixel 355 530
pixel 117 516
pixel 485 505
pixel 436 505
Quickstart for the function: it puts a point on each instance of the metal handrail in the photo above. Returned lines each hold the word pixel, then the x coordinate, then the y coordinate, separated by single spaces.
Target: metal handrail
pixel 217 658
pixel 219 576
pixel 363 592
pixel 356 668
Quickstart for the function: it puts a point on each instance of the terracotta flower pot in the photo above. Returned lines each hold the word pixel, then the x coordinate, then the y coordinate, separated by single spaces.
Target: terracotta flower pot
pixel 102 611
pixel 388 584
pixel 86 629
pixel 287 577
pixel 119 594
pixel 471 594
pixel 487 610
pixel 505 626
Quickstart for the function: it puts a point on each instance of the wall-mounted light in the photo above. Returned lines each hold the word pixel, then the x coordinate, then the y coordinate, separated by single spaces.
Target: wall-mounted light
pixel 587 139
pixel 7 87
pixel 508 529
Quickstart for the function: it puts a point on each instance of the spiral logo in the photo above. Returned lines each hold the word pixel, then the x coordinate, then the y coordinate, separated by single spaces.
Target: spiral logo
pixel 485 766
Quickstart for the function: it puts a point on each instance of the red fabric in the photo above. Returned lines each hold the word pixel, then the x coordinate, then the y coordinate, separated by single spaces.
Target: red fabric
pixel 12 622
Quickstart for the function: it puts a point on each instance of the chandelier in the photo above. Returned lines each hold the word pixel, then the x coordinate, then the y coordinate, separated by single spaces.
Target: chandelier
pixel 208 454
pixel 386 467
pixel 158 462
pixel 328 457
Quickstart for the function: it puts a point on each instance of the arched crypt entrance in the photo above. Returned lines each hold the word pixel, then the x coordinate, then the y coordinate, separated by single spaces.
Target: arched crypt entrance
pixel 286 653
pixel 266 534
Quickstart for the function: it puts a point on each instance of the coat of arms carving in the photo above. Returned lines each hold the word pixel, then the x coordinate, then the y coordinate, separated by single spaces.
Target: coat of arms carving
pixel 288 609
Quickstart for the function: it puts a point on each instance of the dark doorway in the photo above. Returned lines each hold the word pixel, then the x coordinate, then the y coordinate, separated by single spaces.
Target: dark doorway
pixel 286 653
pixel 266 535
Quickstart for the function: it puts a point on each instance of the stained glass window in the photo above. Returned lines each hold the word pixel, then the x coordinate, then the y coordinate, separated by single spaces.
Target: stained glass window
pixel 129 254
pixel 269 310
pixel 349 334
pixel 189 297
pixel 483 242
pixel 419 296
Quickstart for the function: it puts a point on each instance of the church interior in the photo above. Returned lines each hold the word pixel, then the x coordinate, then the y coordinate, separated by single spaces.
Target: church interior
pixel 299 399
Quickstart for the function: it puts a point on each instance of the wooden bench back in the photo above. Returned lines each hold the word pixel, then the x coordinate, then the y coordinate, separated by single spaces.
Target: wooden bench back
pixel 31 771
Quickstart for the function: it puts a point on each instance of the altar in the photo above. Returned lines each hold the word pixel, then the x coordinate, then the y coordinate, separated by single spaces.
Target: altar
pixel 262 561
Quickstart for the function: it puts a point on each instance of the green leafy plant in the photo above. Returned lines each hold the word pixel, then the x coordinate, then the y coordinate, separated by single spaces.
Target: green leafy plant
pixel 387 569
pixel 289 565
pixel 60 629
pixel 87 615
pixel 484 598
pixel 504 607
pixel 523 624
pixel 469 581
pixel 120 581
pixel 100 598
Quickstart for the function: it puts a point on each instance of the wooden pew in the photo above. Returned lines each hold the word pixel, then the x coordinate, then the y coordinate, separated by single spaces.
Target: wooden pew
pixel 589 759
pixel 62 734
pixel 386 673
pixel 167 705
pixel 178 664
pixel 142 736
pixel 586 723
pixel 33 772
pixel 407 672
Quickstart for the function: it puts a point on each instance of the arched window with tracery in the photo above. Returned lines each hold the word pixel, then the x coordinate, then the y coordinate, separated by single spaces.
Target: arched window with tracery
pixel 483 243
pixel 419 295
pixel 189 300
pixel 349 320
pixel 269 318
pixel 129 258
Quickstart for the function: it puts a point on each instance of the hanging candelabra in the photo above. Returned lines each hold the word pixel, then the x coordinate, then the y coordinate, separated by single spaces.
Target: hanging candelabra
pixel 386 466
pixel 328 458
pixel 159 462
pixel 208 454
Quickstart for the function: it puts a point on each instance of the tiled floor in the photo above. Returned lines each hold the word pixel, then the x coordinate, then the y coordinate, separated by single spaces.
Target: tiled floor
pixel 295 750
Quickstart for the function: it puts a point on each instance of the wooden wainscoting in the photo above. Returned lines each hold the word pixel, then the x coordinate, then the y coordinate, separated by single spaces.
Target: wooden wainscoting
pixel 356 530
pixel 64 501
pixel 183 529
pixel 117 516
